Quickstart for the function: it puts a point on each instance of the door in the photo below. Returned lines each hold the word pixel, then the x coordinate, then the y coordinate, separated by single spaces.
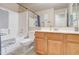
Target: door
pixel 73 48
pixel 55 47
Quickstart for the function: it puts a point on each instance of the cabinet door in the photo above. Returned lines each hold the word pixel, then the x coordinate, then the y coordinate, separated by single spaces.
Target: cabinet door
pixel 55 47
pixel 72 48
pixel 41 46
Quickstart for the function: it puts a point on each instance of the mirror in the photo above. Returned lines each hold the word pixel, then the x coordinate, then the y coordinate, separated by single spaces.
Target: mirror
pixel 70 19
pixel 74 15
pixel 78 14
pixel 61 18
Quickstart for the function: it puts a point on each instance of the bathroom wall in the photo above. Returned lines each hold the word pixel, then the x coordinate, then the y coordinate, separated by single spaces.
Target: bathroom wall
pixel 23 23
pixel 18 19
pixel 12 23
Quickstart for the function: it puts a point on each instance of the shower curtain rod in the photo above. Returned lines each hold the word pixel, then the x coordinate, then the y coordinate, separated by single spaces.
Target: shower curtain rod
pixel 26 8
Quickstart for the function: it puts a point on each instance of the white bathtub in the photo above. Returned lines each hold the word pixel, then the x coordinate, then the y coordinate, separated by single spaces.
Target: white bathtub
pixel 13 48
pixel 25 43
pixel 8 46
pixel 20 43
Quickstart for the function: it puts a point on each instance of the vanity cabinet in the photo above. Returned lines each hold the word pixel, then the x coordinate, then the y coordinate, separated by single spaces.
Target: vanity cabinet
pixel 40 46
pixel 72 48
pixel 41 43
pixel 55 47
pixel 57 43
pixel 72 45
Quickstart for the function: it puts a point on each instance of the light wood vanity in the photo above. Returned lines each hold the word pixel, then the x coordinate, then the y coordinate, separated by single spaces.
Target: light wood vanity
pixel 53 43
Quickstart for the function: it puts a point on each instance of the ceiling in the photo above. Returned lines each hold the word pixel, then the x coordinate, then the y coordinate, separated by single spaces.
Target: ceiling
pixel 10 6
pixel 43 6
pixel 32 6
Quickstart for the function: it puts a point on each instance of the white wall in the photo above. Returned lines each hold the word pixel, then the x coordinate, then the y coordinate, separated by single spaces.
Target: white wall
pixel 23 23
pixel 18 23
pixel 46 16
pixel 12 24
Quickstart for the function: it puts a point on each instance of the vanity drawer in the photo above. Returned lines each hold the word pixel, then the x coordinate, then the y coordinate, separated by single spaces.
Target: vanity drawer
pixel 54 36
pixel 73 38
pixel 39 35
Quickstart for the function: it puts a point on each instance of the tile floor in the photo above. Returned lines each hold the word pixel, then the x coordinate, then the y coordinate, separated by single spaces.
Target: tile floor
pixel 24 51
pixel 19 52
pixel 32 52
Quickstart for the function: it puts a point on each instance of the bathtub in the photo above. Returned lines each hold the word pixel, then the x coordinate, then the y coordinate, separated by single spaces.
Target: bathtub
pixel 17 44
pixel 8 46
pixel 27 44
pixel 18 47
pixel 26 39
pixel 10 49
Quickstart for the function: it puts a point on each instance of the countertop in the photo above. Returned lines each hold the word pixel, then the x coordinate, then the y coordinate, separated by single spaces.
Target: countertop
pixel 59 31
